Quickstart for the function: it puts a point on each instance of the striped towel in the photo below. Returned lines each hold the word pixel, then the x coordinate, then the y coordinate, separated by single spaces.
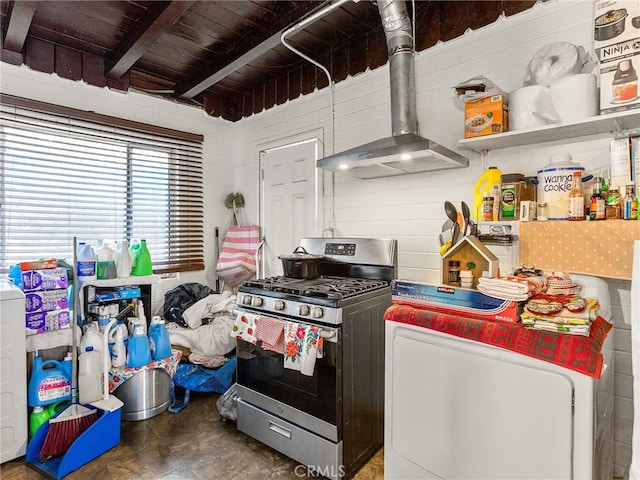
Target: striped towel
pixel 513 288
pixel 237 260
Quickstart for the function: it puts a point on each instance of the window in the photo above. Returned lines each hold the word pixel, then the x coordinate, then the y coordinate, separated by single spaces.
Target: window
pixel 66 173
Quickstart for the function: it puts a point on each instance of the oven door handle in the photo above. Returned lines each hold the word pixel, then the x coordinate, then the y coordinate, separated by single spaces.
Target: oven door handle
pixel 328 334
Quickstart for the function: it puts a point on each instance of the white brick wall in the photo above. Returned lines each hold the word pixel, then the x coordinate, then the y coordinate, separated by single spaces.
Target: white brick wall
pixel 409 208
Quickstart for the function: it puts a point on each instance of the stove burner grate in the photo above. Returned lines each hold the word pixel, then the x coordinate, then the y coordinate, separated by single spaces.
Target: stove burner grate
pixel 335 288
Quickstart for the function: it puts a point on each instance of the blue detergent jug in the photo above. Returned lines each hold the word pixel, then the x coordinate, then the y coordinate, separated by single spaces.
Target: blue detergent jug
pixel 159 339
pixel 139 352
pixel 49 383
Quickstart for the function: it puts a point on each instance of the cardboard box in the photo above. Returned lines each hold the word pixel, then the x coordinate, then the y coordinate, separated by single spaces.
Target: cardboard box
pixel 455 301
pixel 613 26
pixel 47 321
pixel 620 163
pixel 46 300
pixel 486 116
pixel 49 279
pixel 619 81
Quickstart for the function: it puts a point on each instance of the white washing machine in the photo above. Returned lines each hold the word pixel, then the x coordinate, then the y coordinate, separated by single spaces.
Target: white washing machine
pixel 13 373
pixel 459 409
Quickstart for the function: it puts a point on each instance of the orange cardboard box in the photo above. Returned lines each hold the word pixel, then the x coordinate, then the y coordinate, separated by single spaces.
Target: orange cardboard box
pixel 486 116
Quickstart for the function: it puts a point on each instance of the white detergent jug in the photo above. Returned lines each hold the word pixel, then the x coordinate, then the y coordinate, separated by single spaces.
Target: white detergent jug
pixel 123 259
pixel 106 263
pixel 86 267
pixel 90 376
pixel 119 352
pixel 91 338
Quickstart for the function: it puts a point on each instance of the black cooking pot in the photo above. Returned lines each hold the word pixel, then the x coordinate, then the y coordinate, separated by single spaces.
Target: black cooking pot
pixel 301 264
pixel 610 24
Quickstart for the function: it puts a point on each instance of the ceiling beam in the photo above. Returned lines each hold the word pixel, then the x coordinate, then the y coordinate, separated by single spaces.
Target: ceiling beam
pixel 244 50
pixel 158 18
pixel 20 18
pixel 191 88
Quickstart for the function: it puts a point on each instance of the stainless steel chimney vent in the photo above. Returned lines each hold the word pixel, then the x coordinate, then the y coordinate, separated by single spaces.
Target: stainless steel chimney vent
pixel 405 152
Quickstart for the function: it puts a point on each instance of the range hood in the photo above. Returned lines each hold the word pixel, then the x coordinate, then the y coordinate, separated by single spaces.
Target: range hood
pixel 404 152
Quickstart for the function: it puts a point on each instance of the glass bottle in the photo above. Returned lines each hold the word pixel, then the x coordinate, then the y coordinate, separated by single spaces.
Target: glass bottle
pixel 597 202
pixel 576 198
pixel 630 204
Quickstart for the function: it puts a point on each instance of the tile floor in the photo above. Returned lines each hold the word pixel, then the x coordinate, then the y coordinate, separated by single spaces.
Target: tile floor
pixel 194 444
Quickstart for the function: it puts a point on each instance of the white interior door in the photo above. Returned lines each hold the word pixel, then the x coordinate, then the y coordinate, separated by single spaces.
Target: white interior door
pixel 289 200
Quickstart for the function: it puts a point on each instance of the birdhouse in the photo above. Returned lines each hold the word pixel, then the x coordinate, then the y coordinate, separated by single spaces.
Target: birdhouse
pixel 468 250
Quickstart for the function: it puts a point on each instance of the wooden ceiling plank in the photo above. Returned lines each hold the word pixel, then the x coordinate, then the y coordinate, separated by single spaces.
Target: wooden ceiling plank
pixel 19 22
pixel 244 50
pixel 191 88
pixel 151 26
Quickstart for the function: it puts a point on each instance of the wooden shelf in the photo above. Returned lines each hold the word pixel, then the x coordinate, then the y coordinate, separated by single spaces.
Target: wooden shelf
pixel 619 123
pixel 600 248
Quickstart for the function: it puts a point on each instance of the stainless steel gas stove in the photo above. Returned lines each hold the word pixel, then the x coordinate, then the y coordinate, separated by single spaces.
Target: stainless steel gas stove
pixel 332 421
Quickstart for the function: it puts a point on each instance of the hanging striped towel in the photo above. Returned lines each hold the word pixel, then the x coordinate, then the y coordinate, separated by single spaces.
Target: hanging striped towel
pixel 237 260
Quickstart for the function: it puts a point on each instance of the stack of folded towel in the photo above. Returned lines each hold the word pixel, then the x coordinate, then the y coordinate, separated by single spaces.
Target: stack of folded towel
pixel 514 288
pixel 566 313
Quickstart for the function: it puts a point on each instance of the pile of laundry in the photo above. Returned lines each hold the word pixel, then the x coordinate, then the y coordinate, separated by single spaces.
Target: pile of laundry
pixel 201 320
pixel 553 303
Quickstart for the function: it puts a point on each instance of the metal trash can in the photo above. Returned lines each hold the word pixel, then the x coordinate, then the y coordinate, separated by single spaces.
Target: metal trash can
pixel 145 395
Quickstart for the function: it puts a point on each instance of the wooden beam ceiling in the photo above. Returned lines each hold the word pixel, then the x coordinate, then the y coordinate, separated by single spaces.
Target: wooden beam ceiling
pixel 158 18
pixel 20 18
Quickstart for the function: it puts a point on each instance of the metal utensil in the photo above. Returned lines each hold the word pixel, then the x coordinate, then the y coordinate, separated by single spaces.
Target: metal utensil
pixel 466 214
pixel 455 234
pixel 452 213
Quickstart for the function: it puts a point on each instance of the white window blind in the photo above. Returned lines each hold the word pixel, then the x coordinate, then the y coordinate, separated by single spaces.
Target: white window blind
pixel 66 173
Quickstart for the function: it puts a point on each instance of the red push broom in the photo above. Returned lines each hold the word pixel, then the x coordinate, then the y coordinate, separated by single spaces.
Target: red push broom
pixel 72 422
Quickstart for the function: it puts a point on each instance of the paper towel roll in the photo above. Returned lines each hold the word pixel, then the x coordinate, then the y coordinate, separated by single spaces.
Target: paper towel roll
pixel 575 97
pixel 531 107
pixel 553 62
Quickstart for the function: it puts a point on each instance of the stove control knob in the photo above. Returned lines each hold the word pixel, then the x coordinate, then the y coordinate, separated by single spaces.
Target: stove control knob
pixel 279 305
pixel 317 312
pixel 257 301
pixel 246 300
pixel 303 310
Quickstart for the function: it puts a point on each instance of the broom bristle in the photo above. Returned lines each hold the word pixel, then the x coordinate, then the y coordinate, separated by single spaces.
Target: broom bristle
pixel 61 435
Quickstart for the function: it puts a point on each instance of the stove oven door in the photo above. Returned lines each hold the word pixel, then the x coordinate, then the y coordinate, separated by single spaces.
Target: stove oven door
pixel 311 402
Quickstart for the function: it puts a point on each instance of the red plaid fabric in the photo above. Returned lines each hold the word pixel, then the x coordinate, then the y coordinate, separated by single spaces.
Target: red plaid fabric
pixel 575 352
